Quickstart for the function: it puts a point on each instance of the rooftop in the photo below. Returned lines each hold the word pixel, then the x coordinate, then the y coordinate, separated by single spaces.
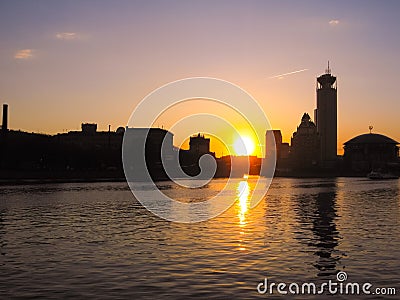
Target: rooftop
pixel 371 138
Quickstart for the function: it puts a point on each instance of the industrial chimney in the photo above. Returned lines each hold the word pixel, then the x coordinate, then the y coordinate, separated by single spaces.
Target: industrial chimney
pixel 5 117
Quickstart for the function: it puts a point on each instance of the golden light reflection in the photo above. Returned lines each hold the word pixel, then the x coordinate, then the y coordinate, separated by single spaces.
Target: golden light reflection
pixel 243 200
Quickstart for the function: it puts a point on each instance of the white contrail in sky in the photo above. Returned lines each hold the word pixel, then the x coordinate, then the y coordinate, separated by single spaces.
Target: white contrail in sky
pixel 290 73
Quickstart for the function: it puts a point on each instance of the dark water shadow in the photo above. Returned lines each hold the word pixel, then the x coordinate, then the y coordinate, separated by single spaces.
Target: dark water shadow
pixel 317 215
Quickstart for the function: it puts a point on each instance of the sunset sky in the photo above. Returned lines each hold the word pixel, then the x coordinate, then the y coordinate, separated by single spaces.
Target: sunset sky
pixel 67 62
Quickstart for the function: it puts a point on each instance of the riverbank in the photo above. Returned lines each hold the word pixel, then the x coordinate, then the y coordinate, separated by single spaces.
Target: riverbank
pixel 41 177
pixel 13 178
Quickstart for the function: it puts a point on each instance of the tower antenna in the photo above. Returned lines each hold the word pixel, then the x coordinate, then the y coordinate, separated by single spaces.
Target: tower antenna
pixel 328 70
pixel 370 128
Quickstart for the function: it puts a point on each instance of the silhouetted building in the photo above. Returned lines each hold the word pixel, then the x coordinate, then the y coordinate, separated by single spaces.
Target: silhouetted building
pixel 284 151
pixel 199 145
pixel 371 151
pixel 189 159
pixel 326 118
pixel 75 151
pixel 281 149
pixel 120 130
pixel 154 137
pixel 157 151
pixel 304 149
pixel 273 142
pixel 313 145
pixel 89 137
pixel 274 147
pixel 25 151
pixel 89 128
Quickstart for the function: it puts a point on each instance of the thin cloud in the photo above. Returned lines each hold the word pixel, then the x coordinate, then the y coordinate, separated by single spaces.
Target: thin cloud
pixel 280 76
pixel 334 22
pixel 24 54
pixel 66 35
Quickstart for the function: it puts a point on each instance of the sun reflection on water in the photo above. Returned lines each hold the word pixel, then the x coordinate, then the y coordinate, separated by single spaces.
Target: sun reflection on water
pixel 243 191
pixel 243 202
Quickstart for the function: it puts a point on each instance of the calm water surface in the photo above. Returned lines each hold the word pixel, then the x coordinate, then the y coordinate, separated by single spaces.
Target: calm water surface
pixel 94 240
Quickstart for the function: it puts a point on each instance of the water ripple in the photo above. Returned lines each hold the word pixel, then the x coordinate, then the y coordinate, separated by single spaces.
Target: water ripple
pixel 95 240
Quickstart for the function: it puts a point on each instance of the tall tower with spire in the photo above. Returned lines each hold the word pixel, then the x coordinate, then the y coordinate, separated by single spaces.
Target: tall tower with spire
pixel 326 117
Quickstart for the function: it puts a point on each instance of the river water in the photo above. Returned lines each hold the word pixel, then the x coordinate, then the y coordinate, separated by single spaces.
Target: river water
pixel 95 241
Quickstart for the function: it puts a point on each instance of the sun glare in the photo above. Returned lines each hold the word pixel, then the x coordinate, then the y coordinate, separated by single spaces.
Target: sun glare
pixel 244 145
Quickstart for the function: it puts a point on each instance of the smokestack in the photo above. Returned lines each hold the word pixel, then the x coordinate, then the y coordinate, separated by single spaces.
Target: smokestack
pixel 5 117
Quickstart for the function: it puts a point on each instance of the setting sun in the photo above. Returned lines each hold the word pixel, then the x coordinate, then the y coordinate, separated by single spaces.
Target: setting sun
pixel 244 145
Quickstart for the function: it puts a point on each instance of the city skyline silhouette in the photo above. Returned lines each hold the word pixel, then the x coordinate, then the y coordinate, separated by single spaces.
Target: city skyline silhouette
pixel 61 71
pixel 199 149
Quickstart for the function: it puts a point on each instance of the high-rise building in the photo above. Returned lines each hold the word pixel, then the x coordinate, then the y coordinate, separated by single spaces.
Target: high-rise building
pixel 326 117
pixel 273 143
pixel 305 144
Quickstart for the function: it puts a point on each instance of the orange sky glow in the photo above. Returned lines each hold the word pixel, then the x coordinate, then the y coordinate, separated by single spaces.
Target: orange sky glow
pixel 63 64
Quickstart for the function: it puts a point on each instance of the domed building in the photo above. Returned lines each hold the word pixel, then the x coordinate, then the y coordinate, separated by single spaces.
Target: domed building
pixel 120 130
pixel 371 151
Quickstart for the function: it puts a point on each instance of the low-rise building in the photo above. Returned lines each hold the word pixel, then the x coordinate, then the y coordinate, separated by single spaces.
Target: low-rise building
pixel 371 151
